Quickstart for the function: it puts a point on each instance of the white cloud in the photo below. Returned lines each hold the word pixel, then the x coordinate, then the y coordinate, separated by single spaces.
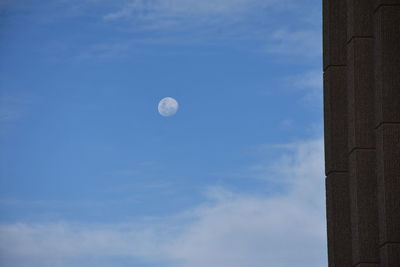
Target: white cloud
pixel 231 19
pixel 228 230
pixel 135 9
pixel 13 106
pixel 310 79
pixel 106 51
pixel 305 42
pixel 197 19
pixel 286 124
pixel 140 24
pixel 310 83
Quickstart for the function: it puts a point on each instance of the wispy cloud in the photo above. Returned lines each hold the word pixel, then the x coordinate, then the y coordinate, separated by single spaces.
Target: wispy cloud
pixel 303 42
pixel 13 106
pixel 310 84
pixel 227 230
pixel 136 25
pixel 286 124
pixel 106 51
pixel 178 9
pixel 216 21
pixel 185 21
pixel 309 79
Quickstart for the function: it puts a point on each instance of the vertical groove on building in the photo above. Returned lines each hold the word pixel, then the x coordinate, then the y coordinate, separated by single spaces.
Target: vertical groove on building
pixel 387 108
pixel 361 138
pixel 336 133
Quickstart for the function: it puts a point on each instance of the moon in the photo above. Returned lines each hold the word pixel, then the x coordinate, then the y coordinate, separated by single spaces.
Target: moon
pixel 168 107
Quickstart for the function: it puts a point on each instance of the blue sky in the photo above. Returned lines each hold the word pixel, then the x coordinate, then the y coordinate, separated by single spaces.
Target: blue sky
pixel 92 175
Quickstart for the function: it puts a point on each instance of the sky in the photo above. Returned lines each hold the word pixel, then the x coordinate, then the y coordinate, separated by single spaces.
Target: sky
pixel 92 175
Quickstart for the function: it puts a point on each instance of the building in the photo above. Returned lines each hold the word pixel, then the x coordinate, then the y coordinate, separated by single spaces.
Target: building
pixel 362 131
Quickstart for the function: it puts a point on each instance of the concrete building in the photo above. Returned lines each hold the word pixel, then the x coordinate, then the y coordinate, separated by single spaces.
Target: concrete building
pixel 362 131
